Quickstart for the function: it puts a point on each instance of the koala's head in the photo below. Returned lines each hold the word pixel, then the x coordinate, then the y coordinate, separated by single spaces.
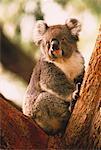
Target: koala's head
pixel 59 40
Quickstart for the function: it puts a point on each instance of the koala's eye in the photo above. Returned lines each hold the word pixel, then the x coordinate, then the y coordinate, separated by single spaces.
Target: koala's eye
pixel 72 39
pixel 64 40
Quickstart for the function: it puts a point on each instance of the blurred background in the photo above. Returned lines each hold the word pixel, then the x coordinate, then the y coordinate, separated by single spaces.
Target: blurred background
pixel 18 54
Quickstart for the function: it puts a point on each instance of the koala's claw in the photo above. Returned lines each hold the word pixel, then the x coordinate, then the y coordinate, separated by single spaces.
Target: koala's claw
pixel 75 96
pixel 72 104
pixel 76 92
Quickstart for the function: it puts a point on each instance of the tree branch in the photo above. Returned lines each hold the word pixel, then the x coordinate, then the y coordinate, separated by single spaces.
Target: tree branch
pixel 17 131
pixel 14 59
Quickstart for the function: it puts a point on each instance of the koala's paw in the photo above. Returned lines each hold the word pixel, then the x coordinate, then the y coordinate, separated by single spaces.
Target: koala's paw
pixel 76 92
pixel 75 96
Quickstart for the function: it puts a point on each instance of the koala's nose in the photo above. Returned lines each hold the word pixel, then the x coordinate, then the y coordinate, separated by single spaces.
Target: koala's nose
pixel 54 44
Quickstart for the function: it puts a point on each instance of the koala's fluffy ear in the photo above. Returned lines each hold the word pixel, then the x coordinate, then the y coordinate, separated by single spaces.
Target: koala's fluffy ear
pixel 74 25
pixel 39 30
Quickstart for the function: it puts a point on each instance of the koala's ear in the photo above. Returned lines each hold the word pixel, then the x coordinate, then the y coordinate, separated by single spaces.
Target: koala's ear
pixel 74 25
pixel 39 30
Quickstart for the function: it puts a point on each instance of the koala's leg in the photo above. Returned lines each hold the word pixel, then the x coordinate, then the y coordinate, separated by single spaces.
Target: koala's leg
pixel 51 113
pixel 28 101
pixel 75 96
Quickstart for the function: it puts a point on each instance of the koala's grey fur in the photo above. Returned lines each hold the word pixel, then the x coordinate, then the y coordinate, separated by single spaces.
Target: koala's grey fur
pixel 55 76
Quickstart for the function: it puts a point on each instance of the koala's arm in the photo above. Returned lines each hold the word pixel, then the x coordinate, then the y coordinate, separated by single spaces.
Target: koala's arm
pixel 54 81
pixel 33 91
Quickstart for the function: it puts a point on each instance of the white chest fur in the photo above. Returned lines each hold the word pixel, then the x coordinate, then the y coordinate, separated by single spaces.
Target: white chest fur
pixel 72 66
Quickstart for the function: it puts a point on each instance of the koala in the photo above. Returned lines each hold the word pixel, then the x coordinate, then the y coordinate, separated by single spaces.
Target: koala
pixel 57 76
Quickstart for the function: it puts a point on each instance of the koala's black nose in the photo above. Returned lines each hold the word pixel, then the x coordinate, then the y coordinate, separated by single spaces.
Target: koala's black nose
pixel 54 44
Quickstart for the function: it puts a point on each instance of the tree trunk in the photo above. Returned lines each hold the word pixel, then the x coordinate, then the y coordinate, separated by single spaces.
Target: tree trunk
pixel 84 127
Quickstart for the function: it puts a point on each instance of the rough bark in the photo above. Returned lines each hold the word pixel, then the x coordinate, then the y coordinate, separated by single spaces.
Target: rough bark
pixel 18 132
pixel 14 59
pixel 84 127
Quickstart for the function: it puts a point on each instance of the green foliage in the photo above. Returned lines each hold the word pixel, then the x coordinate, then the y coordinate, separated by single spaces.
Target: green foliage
pixel 63 3
pixel 38 13
pixel 94 5
pixel 6 1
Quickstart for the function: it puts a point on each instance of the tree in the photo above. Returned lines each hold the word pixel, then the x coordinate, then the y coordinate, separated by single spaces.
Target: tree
pixel 83 129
